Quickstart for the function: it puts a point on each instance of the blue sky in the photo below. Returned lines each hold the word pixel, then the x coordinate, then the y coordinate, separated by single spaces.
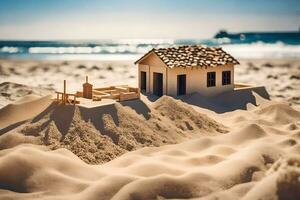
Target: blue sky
pixel 97 19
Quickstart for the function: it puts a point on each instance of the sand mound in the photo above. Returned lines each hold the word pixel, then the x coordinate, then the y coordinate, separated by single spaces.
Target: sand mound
pixel 278 112
pixel 256 168
pixel 62 126
pixel 257 159
pixel 184 117
pixel 98 135
pixel 247 132
pixel 24 109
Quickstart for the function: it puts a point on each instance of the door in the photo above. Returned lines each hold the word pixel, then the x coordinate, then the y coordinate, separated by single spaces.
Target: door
pixel 158 84
pixel 181 84
pixel 143 81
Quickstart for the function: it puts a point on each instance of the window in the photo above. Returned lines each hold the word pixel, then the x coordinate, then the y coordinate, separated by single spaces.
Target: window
pixel 211 79
pixel 226 79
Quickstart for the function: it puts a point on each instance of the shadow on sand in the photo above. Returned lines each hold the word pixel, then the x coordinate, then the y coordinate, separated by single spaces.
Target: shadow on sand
pixel 64 115
pixel 139 106
pixel 95 115
pixel 11 127
pixel 225 102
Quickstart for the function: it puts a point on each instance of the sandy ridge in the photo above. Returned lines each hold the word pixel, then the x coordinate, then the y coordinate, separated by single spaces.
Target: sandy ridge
pixel 260 151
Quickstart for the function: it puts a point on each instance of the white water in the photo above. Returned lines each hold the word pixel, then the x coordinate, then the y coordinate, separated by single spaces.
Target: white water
pixel 133 51
pixel 262 50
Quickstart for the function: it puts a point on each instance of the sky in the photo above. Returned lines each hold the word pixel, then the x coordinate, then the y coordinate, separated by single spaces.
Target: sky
pixel 160 19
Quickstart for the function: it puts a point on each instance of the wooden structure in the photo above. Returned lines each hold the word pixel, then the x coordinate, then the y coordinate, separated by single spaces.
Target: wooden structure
pixel 87 89
pixel 64 97
pixel 118 93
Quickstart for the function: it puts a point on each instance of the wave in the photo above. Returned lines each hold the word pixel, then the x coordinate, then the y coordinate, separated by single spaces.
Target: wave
pixel 6 49
pixel 263 50
pixel 120 49
pixel 30 49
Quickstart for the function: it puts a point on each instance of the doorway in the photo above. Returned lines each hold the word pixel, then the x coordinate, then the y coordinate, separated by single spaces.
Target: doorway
pixel 143 81
pixel 181 84
pixel 157 84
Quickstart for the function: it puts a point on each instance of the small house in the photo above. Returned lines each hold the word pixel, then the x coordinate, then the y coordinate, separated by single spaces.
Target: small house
pixel 186 69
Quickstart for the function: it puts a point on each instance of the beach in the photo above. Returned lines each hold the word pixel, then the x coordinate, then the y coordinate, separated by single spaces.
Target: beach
pixel 280 76
pixel 149 100
pixel 149 148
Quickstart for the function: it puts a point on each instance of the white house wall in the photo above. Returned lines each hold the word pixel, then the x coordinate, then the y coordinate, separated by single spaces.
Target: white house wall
pixel 196 78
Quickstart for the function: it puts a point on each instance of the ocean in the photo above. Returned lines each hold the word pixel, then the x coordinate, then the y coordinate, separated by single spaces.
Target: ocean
pixel 130 49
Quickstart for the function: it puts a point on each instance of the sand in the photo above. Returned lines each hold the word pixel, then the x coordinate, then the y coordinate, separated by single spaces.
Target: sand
pixel 280 76
pixel 257 159
pixel 100 134
pixel 12 92
pixel 22 110
pixel 21 77
pixel 153 149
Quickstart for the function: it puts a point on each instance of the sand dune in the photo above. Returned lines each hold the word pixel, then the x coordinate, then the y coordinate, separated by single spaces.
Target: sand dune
pixel 257 159
pixel 161 150
pixel 99 135
pixel 26 108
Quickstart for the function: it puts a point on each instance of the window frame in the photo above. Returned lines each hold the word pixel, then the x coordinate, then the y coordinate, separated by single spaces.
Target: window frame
pixel 226 77
pixel 211 80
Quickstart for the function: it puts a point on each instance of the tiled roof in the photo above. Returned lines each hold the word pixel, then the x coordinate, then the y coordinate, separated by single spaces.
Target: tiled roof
pixel 193 56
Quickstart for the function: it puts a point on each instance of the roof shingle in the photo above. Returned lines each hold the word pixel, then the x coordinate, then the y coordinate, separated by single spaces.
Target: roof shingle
pixel 193 56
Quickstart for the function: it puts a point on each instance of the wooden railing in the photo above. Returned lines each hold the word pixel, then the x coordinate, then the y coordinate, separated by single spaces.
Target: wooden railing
pixel 64 98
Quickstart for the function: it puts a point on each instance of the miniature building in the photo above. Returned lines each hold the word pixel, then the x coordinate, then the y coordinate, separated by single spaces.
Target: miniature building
pixel 89 96
pixel 186 69
pixel 87 89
